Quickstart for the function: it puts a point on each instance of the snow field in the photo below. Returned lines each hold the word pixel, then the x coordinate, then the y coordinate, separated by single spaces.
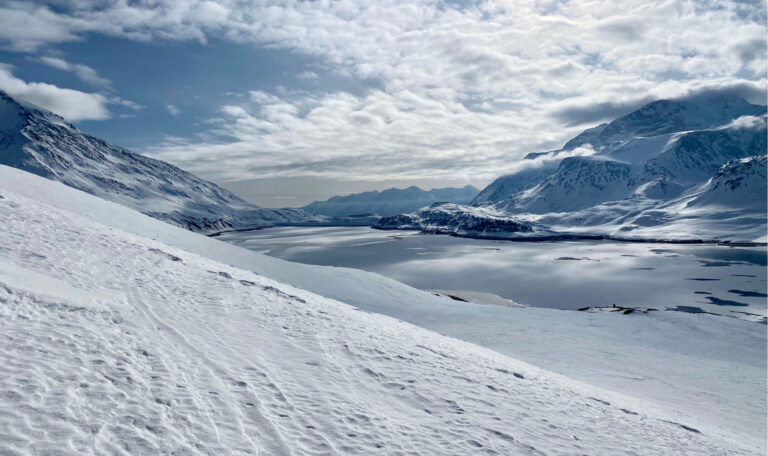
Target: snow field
pixel 125 345
pixel 702 370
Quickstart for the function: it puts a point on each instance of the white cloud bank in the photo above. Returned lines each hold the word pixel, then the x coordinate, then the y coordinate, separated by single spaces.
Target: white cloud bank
pixel 73 105
pixel 462 90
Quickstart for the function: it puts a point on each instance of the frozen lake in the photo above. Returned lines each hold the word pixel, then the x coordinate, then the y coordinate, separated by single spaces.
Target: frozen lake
pixel 567 275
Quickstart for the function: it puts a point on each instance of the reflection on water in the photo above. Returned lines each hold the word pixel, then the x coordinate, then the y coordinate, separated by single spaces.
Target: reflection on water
pixel 552 274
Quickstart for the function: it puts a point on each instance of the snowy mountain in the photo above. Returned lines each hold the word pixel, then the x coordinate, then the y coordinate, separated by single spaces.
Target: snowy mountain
pixel 181 344
pixel 43 143
pixel 392 201
pixel 657 157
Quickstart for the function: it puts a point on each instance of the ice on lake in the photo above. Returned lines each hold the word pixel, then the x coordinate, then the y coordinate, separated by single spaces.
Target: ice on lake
pixel 567 275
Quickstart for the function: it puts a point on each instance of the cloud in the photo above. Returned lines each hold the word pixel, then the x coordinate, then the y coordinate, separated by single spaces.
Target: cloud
pixel 83 72
pixel 26 26
pixel 342 135
pixel 125 103
pixel 173 110
pixel 748 122
pixel 73 105
pixel 591 112
pixel 462 90
pixel 595 108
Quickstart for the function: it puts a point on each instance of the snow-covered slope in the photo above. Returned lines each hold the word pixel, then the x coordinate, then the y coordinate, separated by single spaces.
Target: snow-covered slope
pixel 731 206
pixel 504 186
pixel 694 157
pixel 43 143
pixel 736 184
pixel 655 157
pixel 117 343
pixel 577 183
pixel 390 202
pixel 677 366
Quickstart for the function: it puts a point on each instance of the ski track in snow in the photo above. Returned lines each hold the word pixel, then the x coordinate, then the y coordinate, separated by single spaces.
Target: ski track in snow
pixel 134 347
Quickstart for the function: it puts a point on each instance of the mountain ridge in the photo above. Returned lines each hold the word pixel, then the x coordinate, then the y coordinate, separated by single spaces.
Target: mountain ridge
pixel 45 144
pixel 650 162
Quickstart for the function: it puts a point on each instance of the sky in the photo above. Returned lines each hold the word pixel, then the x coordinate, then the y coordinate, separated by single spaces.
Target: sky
pixel 286 102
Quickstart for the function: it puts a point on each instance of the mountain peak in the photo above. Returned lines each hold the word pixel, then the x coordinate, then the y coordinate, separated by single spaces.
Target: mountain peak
pixel 11 112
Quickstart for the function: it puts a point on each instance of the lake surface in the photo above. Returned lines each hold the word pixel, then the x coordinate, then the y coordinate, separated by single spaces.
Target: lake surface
pixel 567 275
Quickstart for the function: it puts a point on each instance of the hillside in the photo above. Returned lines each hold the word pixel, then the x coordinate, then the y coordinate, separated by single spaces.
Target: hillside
pixel 166 351
pixel 660 364
pixel 43 143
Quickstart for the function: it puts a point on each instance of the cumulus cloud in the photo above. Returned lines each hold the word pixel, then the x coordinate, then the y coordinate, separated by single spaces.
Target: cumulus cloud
pixel 459 90
pixel 83 72
pixel 73 105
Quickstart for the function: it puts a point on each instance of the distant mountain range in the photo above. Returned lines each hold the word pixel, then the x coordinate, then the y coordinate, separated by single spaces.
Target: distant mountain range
pixel 389 202
pixel 40 142
pixel 674 169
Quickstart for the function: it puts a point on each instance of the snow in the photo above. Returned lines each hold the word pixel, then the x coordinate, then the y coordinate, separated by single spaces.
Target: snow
pixel 736 183
pixel 193 356
pixel 477 297
pixel 578 183
pixel 202 330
